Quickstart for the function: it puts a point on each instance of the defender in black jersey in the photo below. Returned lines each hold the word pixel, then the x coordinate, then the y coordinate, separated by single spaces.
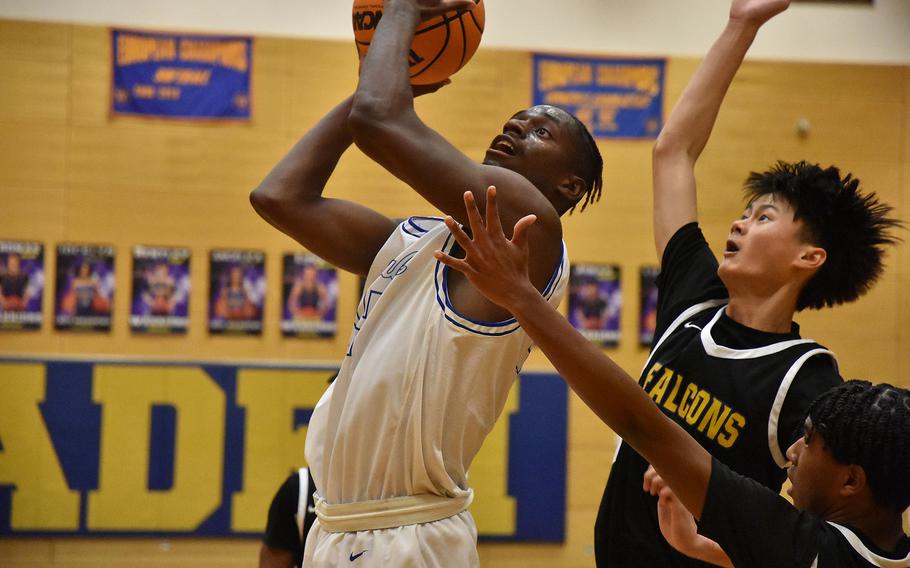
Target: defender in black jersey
pixel 849 470
pixel 728 363
pixel 291 515
pixel 854 438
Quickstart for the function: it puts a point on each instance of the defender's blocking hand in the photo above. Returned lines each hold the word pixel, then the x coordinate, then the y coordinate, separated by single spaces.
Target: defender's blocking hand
pixel 495 265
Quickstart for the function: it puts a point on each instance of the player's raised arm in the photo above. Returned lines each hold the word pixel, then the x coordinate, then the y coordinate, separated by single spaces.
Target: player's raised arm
pixel 687 130
pixel 498 268
pixel 290 198
pixel 678 525
pixel 386 128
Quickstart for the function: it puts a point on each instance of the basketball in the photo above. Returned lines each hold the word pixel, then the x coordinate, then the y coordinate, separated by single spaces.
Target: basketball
pixel 441 46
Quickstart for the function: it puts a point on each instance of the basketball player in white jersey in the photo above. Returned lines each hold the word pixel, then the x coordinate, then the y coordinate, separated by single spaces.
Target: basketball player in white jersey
pixel 430 360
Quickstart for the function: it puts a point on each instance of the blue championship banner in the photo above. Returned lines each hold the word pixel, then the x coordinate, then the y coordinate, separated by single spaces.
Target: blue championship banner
pixel 615 98
pixel 180 76
pixel 183 449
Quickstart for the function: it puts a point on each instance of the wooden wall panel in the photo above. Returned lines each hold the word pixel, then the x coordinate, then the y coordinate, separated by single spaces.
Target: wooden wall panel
pixel 69 171
pixel 903 256
pixel 32 155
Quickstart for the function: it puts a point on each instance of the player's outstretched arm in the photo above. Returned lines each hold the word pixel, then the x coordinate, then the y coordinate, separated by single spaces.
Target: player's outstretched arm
pixel 386 128
pixel 498 268
pixel 678 525
pixel 687 130
pixel 290 198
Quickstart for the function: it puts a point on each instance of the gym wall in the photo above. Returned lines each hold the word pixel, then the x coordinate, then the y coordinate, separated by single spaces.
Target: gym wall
pixel 71 173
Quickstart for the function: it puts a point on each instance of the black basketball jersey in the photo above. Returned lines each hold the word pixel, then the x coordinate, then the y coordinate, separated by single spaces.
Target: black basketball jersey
pixel 291 514
pixel 758 528
pixel 740 392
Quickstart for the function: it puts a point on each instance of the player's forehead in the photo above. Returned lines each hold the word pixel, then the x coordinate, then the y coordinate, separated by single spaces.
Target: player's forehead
pixel 770 201
pixel 547 112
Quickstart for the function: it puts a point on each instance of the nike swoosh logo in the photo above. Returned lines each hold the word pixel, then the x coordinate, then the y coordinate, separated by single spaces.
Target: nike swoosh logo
pixel 692 325
pixel 356 556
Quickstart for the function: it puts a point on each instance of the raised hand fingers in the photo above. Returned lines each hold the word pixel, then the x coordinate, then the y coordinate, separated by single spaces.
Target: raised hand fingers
pixel 455 263
pixel 646 480
pixel 430 8
pixel 460 236
pixel 653 482
pixel 520 232
pixel 494 226
pixel 445 5
pixel 478 228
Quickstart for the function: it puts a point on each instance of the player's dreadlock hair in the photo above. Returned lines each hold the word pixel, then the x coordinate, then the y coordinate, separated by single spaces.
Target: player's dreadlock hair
pixel 591 162
pixel 852 227
pixel 869 426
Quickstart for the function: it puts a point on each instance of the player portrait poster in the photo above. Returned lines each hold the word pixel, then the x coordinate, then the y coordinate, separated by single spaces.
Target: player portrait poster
pixel 161 290
pixel 647 319
pixel 85 287
pixel 309 297
pixel 21 284
pixel 236 291
pixel 595 302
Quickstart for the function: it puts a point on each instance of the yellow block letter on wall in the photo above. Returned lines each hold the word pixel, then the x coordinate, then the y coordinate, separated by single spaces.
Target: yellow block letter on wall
pixel 273 448
pixel 41 499
pixel 123 500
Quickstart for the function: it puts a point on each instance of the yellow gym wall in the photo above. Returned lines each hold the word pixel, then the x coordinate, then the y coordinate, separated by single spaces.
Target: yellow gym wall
pixel 70 172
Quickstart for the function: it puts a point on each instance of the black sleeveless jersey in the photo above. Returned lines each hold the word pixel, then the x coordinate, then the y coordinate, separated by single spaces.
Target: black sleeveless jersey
pixel 740 392
pixel 291 514
pixel 737 508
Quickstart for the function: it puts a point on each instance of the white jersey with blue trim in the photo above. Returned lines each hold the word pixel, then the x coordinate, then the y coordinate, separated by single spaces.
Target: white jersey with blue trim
pixel 421 386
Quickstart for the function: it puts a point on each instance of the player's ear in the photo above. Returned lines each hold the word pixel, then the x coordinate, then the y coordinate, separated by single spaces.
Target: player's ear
pixel 573 188
pixel 854 481
pixel 812 257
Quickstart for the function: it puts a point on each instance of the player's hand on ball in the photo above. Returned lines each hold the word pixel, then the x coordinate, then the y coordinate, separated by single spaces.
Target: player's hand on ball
pixel 430 8
pixel 494 264
pixel 420 90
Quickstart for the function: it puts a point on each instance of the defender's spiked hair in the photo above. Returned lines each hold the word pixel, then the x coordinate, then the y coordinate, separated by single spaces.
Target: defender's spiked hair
pixel 852 227
pixel 869 426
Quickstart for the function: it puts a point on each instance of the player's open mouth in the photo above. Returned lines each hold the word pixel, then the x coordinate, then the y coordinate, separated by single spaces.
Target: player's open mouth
pixel 503 144
pixel 731 248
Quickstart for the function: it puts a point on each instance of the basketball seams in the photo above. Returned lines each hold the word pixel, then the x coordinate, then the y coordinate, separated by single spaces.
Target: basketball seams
pixel 445 21
pixel 476 23
pixel 439 52
pixel 464 42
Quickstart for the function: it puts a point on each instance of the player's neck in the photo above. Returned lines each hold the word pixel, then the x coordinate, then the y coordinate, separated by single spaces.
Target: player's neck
pixel 879 526
pixel 773 314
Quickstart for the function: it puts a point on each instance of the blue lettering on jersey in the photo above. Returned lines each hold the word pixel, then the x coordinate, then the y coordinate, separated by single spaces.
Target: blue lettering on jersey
pixel 396 268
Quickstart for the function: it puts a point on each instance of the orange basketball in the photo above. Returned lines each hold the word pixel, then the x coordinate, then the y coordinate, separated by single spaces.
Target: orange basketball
pixel 441 46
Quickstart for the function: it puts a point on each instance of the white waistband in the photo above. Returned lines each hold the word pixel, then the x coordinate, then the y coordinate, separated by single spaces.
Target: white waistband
pixel 390 513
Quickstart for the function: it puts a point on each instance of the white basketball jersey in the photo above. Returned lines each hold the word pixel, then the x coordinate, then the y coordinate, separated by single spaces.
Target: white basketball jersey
pixel 421 386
